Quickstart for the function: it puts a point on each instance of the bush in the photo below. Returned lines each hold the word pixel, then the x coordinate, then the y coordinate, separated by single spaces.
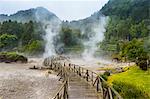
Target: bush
pixel 8 41
pixel 105 75
pixel 142 61
pixel 129 91
pixel 8 57
pixel 116 57
pixel 142 64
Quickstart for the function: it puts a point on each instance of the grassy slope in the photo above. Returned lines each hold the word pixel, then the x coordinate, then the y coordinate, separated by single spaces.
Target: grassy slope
pixel 134 76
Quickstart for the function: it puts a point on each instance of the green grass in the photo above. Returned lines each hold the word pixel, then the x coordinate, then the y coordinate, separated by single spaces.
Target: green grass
pixel 135 77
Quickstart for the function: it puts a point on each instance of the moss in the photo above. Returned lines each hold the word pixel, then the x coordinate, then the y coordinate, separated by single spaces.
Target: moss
pixel 8 57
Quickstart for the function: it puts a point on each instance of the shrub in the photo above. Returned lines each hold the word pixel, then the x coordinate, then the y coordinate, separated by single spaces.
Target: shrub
pixel 116 57
pixel 142 64
pixel 105 75
pixel 142 61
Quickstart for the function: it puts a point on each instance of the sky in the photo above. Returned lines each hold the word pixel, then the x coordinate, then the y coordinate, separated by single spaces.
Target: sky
pixel 64 9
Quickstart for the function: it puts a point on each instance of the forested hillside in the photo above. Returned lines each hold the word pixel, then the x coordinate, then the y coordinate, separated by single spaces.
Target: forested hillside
pixel 128 23
pixel 28 27
pixel 127 33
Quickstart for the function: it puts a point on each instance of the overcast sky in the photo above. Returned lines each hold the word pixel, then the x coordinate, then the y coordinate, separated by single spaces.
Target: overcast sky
pixel 64 9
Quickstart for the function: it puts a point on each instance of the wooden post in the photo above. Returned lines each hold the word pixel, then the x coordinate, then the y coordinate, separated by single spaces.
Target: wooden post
pixel 74 68
pixel 92 78
pixel 79 71
pixel 101 86
pixel 110 93
pixel 64 95
pixel 105 94
pixel 55 67
pixel 97 85
pixel 69 66
pixel 87 75
pixel 58 96
pixel 50 64
pixel 82 73
pixel 64 64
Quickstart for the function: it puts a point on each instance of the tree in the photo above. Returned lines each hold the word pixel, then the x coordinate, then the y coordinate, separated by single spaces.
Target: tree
pixel 70 37
pixel 35 47
pixel 8 41
pixel 134 51
pixel 28 33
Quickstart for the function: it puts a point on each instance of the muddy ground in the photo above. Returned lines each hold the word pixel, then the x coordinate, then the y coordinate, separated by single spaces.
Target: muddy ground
pixel 17 81
pixel 96 64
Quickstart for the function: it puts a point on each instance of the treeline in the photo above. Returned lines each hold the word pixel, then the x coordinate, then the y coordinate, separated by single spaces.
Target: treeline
pixel 127 31
pixel 28 38
pixel 23 37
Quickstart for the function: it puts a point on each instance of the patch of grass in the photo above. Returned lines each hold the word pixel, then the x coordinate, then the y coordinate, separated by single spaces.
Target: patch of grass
pixel 99 63
pixel 106 68
pixel 129 91
pixel 134 79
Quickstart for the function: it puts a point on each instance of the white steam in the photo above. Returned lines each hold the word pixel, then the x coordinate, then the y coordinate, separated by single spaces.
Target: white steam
pixel 91 45
pixel 52 31
pixel 51 25
pixel 49 47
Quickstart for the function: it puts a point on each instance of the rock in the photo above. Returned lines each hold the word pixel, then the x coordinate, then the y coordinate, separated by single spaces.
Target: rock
pixel 8 57
pixel 119 70
pixel 34 67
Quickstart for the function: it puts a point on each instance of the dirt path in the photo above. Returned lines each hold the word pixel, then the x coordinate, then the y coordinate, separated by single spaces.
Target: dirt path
pixel 18 82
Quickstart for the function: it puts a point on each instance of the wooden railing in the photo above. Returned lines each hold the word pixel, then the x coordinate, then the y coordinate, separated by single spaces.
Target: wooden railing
pixel 62 92
pixel 101 86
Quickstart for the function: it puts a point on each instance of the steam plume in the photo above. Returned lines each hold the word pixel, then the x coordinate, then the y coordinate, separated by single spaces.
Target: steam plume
pixel 91 45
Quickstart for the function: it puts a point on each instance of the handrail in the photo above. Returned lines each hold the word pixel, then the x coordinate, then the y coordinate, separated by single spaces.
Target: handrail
pixel 102 87
pixel 62 92
pixel 57 94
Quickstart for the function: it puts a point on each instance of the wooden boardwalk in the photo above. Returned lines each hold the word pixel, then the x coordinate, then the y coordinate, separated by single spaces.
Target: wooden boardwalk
pixel 79 82
pixel 80 89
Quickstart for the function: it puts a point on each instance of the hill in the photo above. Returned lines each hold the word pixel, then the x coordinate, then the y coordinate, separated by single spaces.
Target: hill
pixel 34 14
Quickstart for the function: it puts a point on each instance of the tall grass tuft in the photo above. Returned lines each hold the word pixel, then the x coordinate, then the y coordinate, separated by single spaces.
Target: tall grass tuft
pixel 129 91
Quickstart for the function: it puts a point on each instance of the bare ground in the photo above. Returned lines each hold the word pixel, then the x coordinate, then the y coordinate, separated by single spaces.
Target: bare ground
pixel 19 82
